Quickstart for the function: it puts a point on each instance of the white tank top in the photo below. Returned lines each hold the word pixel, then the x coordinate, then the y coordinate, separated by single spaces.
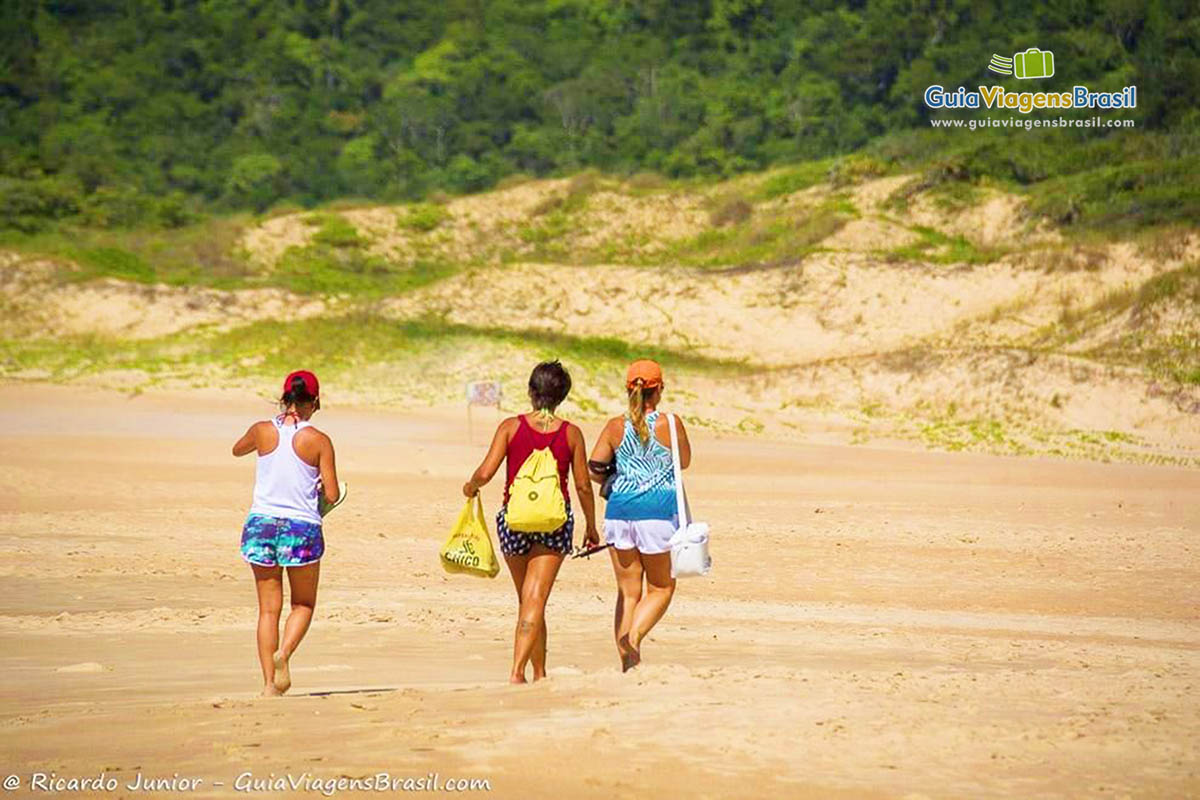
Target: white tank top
pixel 284 485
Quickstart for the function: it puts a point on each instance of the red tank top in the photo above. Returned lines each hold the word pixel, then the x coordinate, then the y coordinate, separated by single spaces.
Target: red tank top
pixel 526 440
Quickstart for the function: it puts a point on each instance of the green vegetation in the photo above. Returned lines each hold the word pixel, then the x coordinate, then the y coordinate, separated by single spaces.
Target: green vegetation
pixel 319 269
pixel 574 199
pixel 1149 339
pixel 985 434
pixel 940 248
pixel 1121 197
pixel 954 197
pixel 595 348
pixel 334 230
pixel 337 260
pixel 948 191
pixel 546 229
pixel 1114 185
pixel 752 240
pixel 1069 257
pixel 354 340
pixel 144 113
pixel 1182 284
pixel 424 217
pixel 855 169
pixel 750 425
pixel 971 434
pixel 796 178
pixel 555 217
pixel 139 138
pixel 1168 354
pixel 116 263
pixel 204 253
pixel 731 210
pixel 1165 243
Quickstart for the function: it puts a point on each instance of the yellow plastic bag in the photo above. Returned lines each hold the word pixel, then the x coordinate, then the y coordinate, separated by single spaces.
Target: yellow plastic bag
pixel 535 499
pixel 469 548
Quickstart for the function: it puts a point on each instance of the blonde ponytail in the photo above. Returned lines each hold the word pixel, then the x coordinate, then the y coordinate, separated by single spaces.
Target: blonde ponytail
pixel 637 413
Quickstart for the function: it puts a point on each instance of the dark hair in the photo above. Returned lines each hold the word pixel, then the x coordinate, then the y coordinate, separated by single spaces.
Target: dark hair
pixel 549 385
pixel 298 393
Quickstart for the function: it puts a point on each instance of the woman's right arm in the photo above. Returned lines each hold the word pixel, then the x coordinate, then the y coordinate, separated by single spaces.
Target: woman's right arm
pixel 491 462
pixel 247 444
pixel 605 451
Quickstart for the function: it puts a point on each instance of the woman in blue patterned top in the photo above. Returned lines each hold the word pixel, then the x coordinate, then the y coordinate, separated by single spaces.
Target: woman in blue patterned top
pixel 640 517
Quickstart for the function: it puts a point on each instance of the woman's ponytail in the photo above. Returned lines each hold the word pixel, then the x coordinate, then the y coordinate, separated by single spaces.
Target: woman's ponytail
pixel 637 412
pixel 296 393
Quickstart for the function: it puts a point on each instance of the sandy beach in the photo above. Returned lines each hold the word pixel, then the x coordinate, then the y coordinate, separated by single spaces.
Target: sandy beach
pixel 880 622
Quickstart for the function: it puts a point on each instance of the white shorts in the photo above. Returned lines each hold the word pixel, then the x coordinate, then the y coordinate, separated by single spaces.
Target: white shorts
pixel 647 536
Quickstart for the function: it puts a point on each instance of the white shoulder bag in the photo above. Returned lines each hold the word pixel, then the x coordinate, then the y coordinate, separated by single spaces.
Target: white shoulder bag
pixel 689 545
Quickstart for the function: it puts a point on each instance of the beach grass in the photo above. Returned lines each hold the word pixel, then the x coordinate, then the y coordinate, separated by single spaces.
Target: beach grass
pixel 344 342
pixel 206 253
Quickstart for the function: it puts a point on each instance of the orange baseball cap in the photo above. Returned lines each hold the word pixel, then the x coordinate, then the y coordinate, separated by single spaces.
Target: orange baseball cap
pixel 649 371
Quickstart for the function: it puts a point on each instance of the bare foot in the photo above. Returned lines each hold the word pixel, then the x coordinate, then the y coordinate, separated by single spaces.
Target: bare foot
pixel 270 691
pixel 537 676
pixel 283 676
pixel 517 679
pixel 630 657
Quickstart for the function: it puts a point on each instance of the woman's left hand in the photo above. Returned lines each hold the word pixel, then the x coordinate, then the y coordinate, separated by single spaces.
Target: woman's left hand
pixel 469 489
pixel 592 537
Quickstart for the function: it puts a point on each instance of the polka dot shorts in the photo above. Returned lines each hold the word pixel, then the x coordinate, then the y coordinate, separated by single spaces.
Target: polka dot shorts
pixel 517 543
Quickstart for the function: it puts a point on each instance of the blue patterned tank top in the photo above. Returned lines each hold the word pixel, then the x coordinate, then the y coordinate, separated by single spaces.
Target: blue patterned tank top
pixel 645 484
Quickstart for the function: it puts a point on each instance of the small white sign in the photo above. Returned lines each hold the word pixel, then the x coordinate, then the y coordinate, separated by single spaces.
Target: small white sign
pixel 483 393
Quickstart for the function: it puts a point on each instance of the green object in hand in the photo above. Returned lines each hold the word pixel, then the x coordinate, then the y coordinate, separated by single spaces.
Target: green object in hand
pixel 323 505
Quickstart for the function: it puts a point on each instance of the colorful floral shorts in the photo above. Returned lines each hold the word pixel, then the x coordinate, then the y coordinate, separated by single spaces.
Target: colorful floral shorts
pixel 518 543
pixel 278 542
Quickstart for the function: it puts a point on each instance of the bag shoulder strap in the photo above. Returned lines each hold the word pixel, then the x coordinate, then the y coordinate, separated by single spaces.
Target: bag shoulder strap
pixel 681 505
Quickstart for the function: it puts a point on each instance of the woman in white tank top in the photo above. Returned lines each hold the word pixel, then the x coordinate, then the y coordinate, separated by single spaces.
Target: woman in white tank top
pixel 283 530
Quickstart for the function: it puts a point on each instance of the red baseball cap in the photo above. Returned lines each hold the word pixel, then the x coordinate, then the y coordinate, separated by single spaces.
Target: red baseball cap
pixel 311 384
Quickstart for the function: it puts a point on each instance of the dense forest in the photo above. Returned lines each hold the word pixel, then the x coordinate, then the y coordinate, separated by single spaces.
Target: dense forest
pixel 116 111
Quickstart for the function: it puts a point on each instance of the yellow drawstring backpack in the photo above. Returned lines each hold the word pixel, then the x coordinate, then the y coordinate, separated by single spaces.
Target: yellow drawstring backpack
pixel 535 499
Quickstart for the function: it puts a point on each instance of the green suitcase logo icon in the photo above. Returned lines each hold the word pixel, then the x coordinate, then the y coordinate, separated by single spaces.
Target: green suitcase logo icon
pixel 1033 63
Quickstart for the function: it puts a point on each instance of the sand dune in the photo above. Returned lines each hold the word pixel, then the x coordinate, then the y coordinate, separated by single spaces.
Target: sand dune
pixel 881 623
pixel 960 327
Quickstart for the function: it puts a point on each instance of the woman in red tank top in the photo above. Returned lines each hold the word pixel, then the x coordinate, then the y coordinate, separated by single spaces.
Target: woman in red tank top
pixel 527 438
pixel 534 558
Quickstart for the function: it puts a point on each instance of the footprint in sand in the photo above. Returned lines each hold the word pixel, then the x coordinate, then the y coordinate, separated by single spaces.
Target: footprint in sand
pixel 86 666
